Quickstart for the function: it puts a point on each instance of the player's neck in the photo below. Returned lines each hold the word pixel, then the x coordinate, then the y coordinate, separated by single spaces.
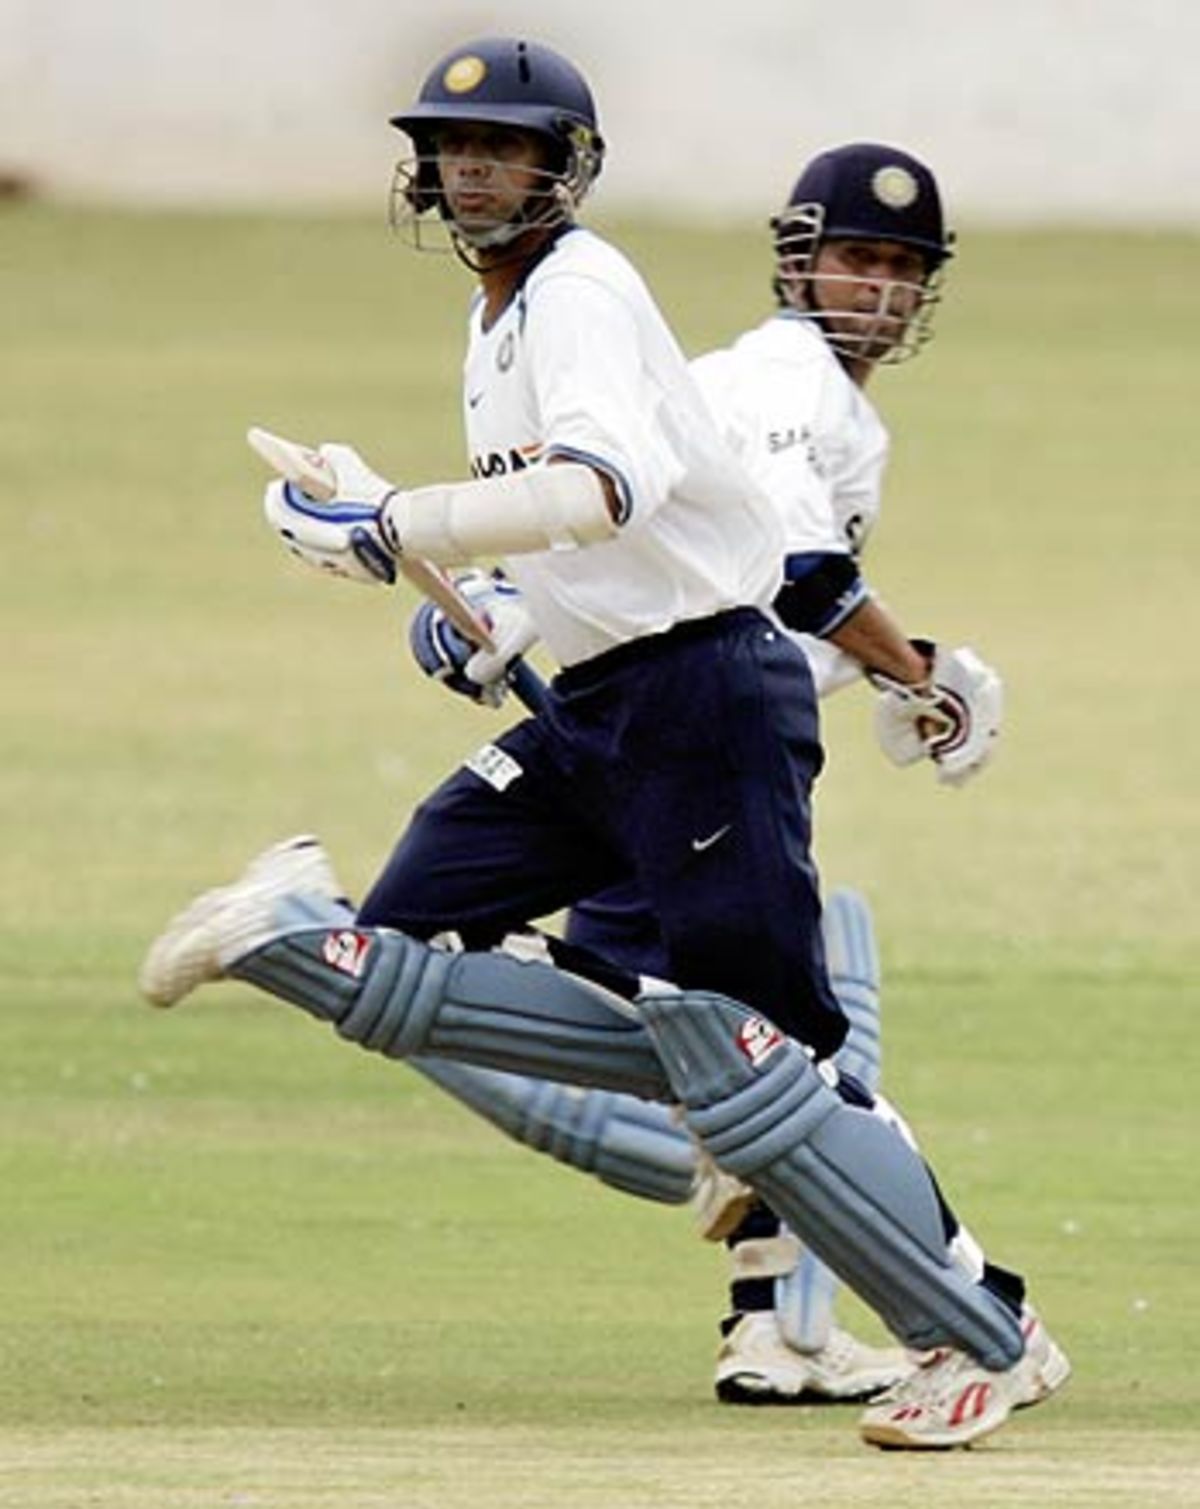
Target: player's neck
pixel 857 368
pixel 502 272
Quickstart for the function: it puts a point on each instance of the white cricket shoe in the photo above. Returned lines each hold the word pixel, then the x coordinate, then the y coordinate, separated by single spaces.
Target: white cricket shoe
pixel 951 1401
pixel 1044 1368
pixel 755 1365
pixel 223 925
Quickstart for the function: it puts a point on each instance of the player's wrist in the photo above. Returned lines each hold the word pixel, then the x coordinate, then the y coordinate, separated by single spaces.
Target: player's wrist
pixel 390 519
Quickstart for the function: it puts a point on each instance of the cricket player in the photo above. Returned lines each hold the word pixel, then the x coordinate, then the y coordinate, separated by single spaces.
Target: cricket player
pixel 678 746
pixel 859 251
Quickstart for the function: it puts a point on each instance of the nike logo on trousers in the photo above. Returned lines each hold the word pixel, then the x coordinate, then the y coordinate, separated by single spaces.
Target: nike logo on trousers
pixel 700 844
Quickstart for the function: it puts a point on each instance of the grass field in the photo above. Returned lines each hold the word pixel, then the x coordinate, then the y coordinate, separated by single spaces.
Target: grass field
pixel 245 1266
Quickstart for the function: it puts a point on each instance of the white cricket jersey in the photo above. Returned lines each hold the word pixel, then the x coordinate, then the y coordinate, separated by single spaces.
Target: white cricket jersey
pixel 581 364
pixel 812 440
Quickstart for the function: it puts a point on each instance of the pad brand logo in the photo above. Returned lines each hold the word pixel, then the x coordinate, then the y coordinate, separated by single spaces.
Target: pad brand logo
pixel 347 952
pixel 758 1039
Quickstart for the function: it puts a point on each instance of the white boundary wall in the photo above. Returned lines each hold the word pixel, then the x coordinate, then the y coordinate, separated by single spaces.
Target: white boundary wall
pixel 1068 110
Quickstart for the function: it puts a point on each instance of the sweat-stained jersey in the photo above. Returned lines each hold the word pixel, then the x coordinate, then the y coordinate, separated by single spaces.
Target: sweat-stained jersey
pixel 581 364
pixel 812 441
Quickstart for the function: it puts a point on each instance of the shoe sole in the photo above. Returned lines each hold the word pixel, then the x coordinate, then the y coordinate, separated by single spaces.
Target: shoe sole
pixel 893 1438
pixel 737 1389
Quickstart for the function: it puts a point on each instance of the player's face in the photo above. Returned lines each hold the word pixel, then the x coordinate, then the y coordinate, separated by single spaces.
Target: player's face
pixel 867 292
pixel 488 172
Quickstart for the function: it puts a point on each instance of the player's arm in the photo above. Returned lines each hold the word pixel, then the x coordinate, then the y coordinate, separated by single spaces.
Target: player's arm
pixel 873 637
pixel 369 523
pixel 611 500
pixel 824 594
pixel 553 507
pixel 937 704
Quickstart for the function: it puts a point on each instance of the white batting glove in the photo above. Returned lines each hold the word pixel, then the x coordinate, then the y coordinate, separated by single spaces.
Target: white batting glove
pixel 953 719
pixel 355 479
pixel 339 537
pixel 444 654
pixel 513 633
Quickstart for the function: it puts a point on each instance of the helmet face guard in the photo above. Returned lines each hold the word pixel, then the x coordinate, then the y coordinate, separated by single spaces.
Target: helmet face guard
pixel 417 189
pixel 499 82
pixel 864 192
pixel 892 330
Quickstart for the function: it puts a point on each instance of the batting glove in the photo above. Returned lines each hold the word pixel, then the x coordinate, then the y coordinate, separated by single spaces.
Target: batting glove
pixel 446 655
pixel 340 537
pixel 952 719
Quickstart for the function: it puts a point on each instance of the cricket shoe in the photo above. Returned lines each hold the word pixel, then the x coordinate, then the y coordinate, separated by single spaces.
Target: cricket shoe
pixel 949 1401
pixel 1044 1368
pixel 223 925
pixel 756 1366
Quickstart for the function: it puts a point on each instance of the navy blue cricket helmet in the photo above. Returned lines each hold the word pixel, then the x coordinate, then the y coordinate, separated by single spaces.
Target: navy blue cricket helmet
pixel 876 193
pixel 507 81
pixel 864 191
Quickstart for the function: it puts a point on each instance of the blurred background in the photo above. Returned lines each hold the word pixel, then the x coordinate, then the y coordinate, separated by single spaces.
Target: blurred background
pixel 218 1216
pixel 1060 110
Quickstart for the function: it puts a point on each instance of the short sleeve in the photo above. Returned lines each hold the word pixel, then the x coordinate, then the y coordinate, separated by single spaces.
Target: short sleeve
pixel 597 397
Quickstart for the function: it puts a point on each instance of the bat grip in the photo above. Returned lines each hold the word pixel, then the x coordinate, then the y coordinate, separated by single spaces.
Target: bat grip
pixel 527 686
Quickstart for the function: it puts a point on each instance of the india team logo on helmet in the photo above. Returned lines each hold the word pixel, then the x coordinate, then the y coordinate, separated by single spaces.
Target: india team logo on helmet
pixel 464 74
pixel 504 82
pixel 894 186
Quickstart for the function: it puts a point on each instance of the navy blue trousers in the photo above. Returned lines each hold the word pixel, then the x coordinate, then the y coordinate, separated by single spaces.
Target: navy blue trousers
pixel 683 761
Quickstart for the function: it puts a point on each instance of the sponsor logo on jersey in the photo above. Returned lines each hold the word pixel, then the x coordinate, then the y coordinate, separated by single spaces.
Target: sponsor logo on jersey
pixel 758 1039
pixel 464 74
pixel 346 951
pixel 786 440
pixel 500 463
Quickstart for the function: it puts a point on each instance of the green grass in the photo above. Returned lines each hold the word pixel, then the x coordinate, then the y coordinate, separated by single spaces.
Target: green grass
pixel 244 1265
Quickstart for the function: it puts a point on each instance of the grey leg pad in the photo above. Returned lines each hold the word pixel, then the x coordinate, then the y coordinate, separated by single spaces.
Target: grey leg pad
pixel 636 1146
pixel 853 963
pixel 844 1181
pixel 396 996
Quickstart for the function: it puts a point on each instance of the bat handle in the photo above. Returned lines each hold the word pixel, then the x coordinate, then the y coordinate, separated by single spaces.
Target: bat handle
pixel 527 686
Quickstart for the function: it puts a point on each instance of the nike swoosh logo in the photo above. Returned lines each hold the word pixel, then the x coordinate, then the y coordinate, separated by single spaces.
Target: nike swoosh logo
pixel 700 844
pixel 474 400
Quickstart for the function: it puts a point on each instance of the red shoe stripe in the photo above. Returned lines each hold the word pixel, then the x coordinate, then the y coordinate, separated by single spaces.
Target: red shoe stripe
pixel 971 1403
